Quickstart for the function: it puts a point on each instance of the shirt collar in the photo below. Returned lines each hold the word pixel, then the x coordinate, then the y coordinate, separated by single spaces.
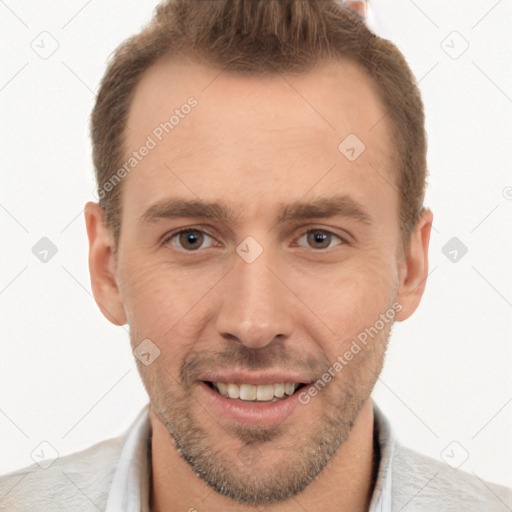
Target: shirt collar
pixel 381 498
pixel 129 491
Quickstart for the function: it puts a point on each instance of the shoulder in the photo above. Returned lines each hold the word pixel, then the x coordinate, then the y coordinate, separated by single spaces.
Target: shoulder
pixel 78 481
pixel 422 483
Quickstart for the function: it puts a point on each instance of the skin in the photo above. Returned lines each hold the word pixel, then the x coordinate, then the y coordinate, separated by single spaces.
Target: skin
pixel 255 143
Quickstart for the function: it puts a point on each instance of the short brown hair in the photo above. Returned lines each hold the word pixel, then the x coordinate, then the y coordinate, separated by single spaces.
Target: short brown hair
pixel 259 37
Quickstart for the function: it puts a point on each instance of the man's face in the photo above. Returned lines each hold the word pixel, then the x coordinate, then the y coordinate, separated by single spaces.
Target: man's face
pixel 270 292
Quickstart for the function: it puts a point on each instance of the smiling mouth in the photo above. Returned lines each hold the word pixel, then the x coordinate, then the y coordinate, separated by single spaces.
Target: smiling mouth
pixel 262 393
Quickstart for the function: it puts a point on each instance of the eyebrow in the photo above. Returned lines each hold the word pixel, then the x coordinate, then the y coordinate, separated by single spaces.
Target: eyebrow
pixel 339 205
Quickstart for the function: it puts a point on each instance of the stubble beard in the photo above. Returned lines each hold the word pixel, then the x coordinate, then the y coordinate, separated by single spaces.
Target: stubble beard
pixel 244 473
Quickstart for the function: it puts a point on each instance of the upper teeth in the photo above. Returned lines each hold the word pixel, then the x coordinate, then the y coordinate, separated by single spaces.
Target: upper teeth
pixel 262 392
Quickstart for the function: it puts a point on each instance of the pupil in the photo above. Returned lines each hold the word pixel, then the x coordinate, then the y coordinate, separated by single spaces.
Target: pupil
pixel 191 239
pixel 319 238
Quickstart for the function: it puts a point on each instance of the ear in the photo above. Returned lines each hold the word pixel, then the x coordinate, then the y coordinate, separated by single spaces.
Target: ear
pixel 413 267
pixel 359 6
pixel 103 264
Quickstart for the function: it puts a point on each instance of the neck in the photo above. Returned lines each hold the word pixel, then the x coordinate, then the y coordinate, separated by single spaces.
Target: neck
pixel 347 479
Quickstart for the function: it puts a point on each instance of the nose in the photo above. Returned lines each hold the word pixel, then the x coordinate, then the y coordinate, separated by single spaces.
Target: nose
pixel 255 306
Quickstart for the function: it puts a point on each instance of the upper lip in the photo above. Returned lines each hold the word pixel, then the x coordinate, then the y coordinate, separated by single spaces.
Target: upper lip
pixel 256 377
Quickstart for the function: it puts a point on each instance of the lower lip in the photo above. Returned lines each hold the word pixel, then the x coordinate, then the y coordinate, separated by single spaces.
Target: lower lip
pixel 264 413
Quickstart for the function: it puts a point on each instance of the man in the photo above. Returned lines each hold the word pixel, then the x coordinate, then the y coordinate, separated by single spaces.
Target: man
pixel 261 172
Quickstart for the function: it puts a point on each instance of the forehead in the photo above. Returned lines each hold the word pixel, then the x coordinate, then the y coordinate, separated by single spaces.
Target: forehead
pixel 252 138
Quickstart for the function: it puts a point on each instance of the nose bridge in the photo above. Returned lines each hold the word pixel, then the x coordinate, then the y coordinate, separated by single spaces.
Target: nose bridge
pixel 253 302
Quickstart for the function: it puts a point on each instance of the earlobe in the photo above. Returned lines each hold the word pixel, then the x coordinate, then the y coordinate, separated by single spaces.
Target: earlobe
pixel 413 270
pixel 102 265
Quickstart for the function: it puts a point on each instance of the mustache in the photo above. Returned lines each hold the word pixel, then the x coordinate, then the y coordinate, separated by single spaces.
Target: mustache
pixel 240 357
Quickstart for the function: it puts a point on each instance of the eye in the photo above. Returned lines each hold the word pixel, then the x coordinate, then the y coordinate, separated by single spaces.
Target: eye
pixel 320 239
pixel 189 240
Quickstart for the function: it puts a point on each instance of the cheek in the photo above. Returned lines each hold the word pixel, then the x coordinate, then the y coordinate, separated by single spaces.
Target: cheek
pixel 350 300
pixel 161 302
pixel 147 297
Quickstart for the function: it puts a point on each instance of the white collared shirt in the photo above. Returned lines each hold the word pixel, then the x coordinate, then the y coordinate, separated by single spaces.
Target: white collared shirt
pixel 129 491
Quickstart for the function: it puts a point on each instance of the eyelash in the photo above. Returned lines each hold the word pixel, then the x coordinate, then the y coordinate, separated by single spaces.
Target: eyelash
pixel 168 238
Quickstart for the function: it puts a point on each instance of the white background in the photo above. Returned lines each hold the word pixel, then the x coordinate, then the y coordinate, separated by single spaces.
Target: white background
pixel 68 376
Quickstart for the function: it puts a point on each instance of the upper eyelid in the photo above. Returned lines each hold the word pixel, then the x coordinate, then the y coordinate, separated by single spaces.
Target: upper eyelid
pixel 341 237
pixel 169 236
pixel 176 231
